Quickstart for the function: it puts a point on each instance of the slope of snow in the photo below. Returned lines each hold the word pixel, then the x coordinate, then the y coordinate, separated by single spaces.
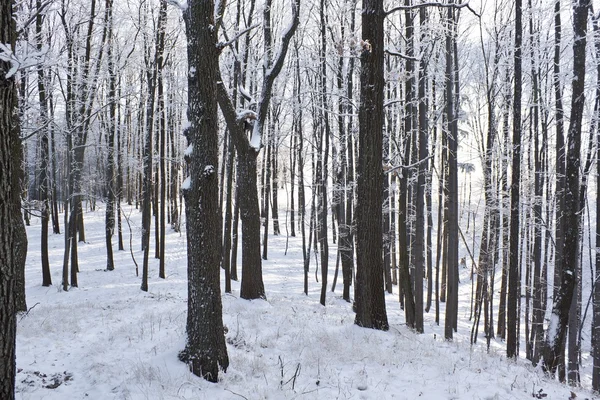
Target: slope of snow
pixel 109 340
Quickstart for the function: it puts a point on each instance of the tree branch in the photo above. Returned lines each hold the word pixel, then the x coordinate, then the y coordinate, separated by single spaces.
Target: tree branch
pixel 229 42
pixel 430 4
pixel 404 56
pixel 271 74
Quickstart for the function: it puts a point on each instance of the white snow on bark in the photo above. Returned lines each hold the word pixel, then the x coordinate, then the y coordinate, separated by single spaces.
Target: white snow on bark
pixel 208 170
pixel 181 5
pixel 187 183
pixel 256 138
pixel 552 328
pixel 189 150
pixel 21 61
pixel 245 114
pixel 246 94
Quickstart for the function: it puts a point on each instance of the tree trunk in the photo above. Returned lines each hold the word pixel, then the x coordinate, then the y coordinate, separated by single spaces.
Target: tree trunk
pixel 451 255
pixel 8 267
pixel 572 221
pixel 112 126
pixel 205 350
pixel 513 270
pixel 370 300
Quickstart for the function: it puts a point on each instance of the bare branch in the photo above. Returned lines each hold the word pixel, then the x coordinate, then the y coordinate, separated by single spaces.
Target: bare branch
pixel 231 41
pixel 404 56
pixel 34 16
pixel 430 4
pixel 271 74
pixel 181 5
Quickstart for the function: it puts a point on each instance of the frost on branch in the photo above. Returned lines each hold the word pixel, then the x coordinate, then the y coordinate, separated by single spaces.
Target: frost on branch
pixel 20 61
pixel 182 5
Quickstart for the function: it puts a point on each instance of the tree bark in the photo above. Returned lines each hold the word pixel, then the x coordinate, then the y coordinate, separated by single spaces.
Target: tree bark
pixel 8 266
pixel 570 258
pixel 370 300
pixel 205 350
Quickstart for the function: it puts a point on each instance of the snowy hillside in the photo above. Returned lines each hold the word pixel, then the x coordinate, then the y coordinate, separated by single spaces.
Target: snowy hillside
pixel 109 340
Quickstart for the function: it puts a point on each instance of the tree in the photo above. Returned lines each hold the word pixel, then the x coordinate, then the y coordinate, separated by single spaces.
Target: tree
pixel 370 300
pixel 252 286
pixel 512 321
pixel 8 267
pixel 451 233
pixel 205 350
pixel 555 335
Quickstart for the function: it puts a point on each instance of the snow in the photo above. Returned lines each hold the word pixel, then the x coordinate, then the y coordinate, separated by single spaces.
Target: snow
pixel 244 92
pixel 187 183
pixel 208 170
pixel 181 5
pixel 188 151
pixel 192 72
pixel 256 138
pixel 245 114
pixel 552 330
pixel 109 340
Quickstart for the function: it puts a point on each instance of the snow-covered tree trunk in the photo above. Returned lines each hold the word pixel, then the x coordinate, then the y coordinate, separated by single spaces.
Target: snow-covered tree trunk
pixel 555 335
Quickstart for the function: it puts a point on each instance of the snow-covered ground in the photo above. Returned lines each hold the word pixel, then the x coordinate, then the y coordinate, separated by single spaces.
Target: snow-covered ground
pixel 109 340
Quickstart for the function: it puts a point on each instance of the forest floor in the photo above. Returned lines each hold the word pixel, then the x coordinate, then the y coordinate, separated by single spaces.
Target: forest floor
pixel 107 339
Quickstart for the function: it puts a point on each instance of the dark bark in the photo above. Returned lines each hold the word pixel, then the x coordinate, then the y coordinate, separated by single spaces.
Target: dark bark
pixel 322 157
pixel 45 154
pixel 419 247
pixel 370 300
pixel 252 286
pixel 8 266
pixel 205 351
pixel 451 234
pixel 555 335
pixel 112 126
pixel 596 286
pixel 162 132
pixel 512 320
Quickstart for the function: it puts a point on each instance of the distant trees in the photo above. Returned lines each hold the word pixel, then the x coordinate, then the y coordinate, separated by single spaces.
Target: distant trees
pixel 102 110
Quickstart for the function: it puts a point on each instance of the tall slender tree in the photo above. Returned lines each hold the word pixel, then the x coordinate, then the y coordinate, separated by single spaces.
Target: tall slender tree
pixel 512 321
pixel 555 335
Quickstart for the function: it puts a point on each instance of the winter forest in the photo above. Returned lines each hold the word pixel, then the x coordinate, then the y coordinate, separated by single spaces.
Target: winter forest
pixel 299 199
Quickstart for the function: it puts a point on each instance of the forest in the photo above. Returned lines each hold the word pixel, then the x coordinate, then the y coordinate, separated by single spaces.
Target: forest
pixel 443 154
